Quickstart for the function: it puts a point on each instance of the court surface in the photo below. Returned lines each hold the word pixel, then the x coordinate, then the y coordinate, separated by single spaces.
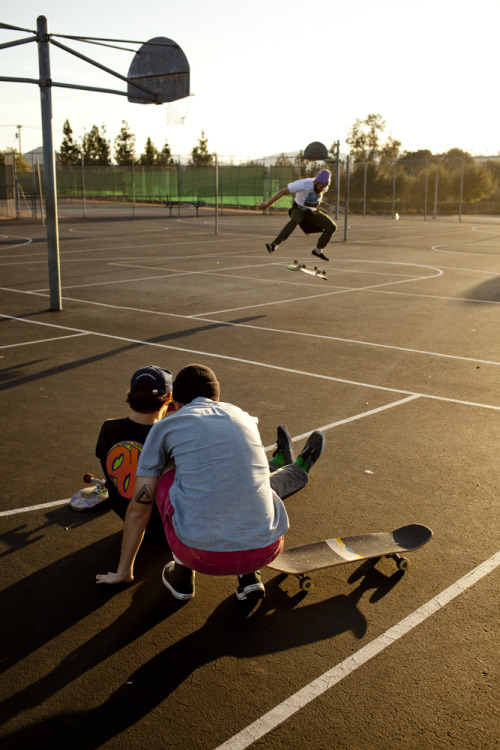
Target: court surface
pixel 396 358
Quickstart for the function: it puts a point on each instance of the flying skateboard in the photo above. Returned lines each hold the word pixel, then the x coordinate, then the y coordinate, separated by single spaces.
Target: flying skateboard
pixel 297 266
pixel 298 561
pixel 91 496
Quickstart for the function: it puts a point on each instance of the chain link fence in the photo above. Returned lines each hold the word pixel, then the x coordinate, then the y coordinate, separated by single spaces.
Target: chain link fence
pixel 427 188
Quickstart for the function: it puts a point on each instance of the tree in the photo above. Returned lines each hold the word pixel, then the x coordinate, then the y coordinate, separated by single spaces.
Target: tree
pixel 390 149
pixel 164 158
pixel 21 165
pixel 412 162
pixel 283 161
pixel 150 154
pixel 364 140
pixel 69 153
pixel 124 145
pixel 199 155
pixel 96 149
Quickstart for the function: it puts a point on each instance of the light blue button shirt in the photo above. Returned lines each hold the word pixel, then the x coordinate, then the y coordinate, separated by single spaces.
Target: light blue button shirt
pixel 221 494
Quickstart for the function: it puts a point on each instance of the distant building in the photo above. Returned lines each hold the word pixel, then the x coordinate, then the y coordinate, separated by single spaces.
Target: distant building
pixel 31 157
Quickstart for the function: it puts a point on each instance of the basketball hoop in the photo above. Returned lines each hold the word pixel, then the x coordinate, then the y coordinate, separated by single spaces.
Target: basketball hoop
pixel 178 110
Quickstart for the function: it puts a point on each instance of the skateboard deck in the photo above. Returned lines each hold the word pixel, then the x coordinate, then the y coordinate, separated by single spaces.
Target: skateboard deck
pixel 91 496
pixel 298 561
pixel 297 266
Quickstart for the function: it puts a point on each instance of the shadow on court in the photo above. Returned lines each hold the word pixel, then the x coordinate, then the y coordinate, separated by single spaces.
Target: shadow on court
pixel 11 378
pixel 238 629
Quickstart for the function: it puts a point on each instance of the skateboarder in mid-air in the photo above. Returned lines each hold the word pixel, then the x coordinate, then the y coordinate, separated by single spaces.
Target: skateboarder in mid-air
pixel 308 194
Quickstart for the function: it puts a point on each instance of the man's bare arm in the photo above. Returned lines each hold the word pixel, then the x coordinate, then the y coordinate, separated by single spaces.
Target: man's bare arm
pixel 137 517
pixel 276 197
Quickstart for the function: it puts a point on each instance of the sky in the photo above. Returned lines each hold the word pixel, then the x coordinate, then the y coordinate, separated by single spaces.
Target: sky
pixel 269 76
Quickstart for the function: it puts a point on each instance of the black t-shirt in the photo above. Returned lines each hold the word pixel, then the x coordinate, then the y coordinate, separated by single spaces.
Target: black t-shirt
pixel 118 448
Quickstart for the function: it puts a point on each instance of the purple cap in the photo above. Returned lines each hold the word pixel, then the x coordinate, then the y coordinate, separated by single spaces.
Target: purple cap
pixel 157 377
pixel 323 178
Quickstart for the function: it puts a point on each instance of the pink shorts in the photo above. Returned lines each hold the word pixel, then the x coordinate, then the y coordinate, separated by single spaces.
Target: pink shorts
pixel 203 561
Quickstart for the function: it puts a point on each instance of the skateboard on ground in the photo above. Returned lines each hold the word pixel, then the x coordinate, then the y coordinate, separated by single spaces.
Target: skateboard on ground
pixel 297 266
pixel 298 561
pixel 91 496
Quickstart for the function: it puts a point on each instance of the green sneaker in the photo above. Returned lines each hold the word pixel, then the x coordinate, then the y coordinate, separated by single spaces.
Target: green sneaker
pixel 283 455
pixel 311 451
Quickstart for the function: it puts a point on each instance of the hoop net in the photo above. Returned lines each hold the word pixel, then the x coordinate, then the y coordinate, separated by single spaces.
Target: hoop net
pixel 178 111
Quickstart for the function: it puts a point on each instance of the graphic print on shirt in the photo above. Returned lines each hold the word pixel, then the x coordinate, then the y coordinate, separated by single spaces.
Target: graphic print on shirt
pixel 121 466
pixel 313 200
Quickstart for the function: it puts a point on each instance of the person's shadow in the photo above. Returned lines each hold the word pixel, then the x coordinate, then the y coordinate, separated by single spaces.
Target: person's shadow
pixel 237 629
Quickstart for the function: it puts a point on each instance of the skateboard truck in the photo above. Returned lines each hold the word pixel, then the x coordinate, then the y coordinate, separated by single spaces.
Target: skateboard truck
pixel 89 497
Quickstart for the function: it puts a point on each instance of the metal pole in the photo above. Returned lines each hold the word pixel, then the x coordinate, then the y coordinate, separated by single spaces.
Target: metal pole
pixel 133 187
pixel 337 185
pixel 83 188
pixel 394 189
pixel 426 187
pixel 436 192
pixel 49 167
pixel 346 195
pixel 33 202
pixel 461 191
pixel 216 194
pixel 364 190
pixel 16 186
pixel 40 192
pixel 19 138
pixel 221 177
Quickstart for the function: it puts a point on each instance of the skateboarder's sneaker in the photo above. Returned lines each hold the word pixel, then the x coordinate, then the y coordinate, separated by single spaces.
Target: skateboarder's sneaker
pixel 179 580
pixel 319 254
pixel 283 455
pixel 271 247
pixel 311 451
pixel 250 586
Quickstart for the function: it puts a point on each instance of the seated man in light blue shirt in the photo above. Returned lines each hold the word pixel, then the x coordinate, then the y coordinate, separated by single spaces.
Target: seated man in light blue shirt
pixel 221 508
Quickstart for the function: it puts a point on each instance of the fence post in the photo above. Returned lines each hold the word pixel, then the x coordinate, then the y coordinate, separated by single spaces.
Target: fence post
pixel 221 177
pixel 133 186
pixel 364 189
pixel 436 191
pixel 40 192
pixel 426 188
pixel 33 179
pixel 83 188
pixel 216 194
pixel 346 195
pixel 394 167
pixel 461 190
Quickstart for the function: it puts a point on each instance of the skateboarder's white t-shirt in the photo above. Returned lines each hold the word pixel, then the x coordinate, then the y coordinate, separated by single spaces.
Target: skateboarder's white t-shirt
pixel 221 494
pixel 304 195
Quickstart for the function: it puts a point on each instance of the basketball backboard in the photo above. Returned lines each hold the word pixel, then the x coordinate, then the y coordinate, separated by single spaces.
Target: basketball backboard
pixel 316 151
pixel 162 67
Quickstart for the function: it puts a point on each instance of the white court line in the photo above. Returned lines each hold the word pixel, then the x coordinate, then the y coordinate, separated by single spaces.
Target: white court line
pixel 45 341
pixel 284 331
pixel 349 290
pixel 29 508
pixel 332 677
pixel 256 363
pixel 109 248
pixel 353 418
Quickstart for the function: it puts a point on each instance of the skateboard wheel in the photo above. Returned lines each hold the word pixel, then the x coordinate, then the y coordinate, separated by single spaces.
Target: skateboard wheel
pixel 88 478
pixel 306 584
pixel 403 563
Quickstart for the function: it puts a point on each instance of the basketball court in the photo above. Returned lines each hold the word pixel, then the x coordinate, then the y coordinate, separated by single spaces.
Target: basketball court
pixel 396 358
